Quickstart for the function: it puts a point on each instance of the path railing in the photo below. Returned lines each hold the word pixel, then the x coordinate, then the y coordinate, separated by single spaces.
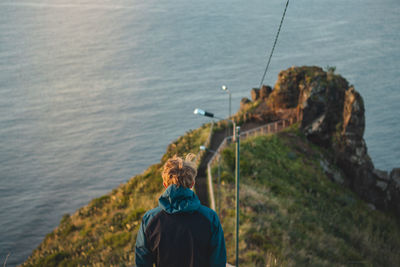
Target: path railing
pixel 201 153
pixel 269 128
pixel 201 187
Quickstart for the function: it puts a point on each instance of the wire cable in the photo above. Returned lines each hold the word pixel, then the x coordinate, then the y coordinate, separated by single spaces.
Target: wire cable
pixel 273 47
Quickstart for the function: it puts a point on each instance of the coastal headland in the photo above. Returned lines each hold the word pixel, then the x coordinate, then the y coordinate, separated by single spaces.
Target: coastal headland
pixel 310 192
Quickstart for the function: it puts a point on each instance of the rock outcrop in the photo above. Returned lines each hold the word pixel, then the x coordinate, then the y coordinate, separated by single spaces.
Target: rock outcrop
pixel 332 116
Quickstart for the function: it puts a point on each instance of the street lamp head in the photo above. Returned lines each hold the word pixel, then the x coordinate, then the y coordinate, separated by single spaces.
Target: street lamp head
pixel 198 111
pixel 224 87
pixel 203 148
pixel 201 112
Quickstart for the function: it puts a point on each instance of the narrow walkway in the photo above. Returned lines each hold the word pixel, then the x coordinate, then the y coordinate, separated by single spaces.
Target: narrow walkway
pixel 201 185
pixel 201 179
pixel 218 140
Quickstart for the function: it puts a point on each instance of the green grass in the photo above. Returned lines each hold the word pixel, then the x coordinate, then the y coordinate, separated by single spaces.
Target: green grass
pixel 291 214
pixel 103 233
pixel 190 142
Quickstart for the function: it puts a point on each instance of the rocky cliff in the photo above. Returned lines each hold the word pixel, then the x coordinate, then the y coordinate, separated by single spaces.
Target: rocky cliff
pixel 332 114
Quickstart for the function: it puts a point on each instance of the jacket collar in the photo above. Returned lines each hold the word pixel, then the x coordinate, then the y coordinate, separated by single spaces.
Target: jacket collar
pixel 178 199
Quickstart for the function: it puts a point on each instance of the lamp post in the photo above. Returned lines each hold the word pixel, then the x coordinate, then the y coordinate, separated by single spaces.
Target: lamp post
pixel 225 88
pixel 236 131
pixel 237 140
pixel 219 177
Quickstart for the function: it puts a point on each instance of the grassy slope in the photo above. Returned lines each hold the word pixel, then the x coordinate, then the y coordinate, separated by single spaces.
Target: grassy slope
pixel 103 233
pixel 293 215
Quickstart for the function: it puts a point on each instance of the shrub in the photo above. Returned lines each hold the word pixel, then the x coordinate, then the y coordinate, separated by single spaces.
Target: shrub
pixel 55 259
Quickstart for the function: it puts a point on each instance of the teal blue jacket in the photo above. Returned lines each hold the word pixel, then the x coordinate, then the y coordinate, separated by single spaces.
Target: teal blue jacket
pixel 180 232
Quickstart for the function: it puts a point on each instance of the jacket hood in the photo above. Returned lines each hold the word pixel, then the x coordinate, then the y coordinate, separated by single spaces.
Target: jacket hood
pixel 178 199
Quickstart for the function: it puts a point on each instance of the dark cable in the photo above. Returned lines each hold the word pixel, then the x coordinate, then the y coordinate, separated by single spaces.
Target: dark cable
pixel 273 47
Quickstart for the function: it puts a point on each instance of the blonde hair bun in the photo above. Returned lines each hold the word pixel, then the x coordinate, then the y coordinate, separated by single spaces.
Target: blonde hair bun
pixel 180 172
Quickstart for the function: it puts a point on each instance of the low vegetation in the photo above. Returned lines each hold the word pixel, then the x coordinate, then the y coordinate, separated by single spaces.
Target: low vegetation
pixel 103 233
pixel 292 214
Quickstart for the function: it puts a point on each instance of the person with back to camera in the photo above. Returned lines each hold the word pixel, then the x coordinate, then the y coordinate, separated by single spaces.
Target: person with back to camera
pixel 180 232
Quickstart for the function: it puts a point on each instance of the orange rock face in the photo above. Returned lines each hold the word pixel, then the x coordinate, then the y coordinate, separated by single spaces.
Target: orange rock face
pixel 332 113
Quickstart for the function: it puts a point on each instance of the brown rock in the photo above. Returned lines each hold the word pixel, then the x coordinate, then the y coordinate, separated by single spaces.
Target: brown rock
pixel 382 175
pixel 395 174
pixel 265 91
pixel 332 115
pixel 255 94
pixel 393 191
pixel 244 102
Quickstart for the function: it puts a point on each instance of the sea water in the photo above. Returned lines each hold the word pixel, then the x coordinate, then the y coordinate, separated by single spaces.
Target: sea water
pixel 92 92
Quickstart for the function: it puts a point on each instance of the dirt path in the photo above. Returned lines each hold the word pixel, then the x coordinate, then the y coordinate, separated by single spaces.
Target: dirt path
pixel 201 180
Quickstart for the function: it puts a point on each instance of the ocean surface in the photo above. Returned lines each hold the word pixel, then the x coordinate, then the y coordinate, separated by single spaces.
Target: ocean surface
pixel 93 91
